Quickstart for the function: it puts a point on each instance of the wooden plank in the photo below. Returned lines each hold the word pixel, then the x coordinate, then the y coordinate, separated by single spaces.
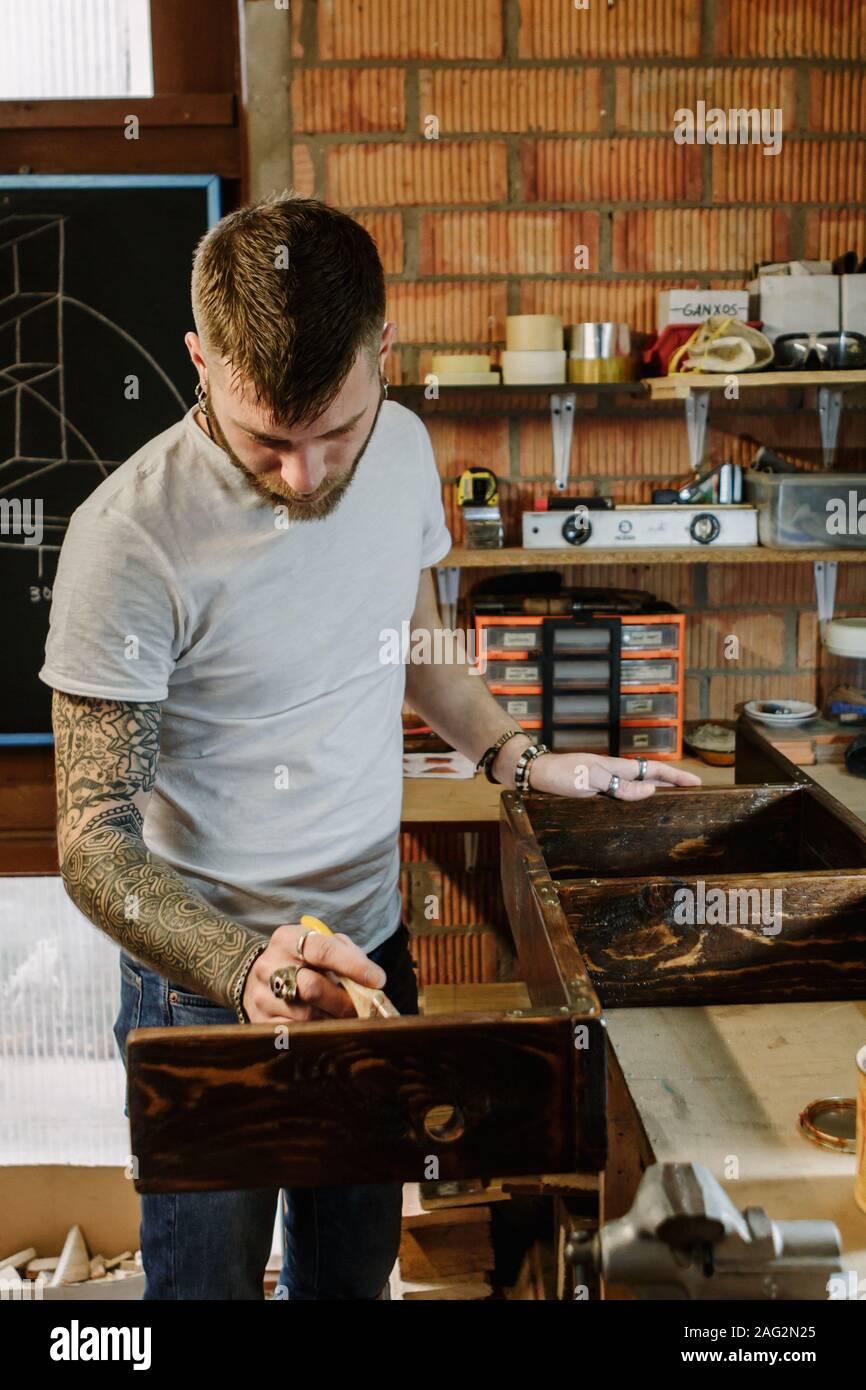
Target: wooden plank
pixel 550 964
pixel 202 109
pixel 756 759
pixel 329 1103
pixel 678 385
pixel 175 150
pixel 684 830
pixel 28 854
pixel 832 836
pixel 431 1253
pixel 639 952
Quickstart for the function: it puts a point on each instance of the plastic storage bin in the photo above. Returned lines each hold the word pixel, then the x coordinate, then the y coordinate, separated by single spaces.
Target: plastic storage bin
pixel 842 672
pixel 809 511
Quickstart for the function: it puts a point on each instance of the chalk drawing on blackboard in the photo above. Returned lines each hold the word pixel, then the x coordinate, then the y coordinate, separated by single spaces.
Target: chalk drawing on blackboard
pixel 38 295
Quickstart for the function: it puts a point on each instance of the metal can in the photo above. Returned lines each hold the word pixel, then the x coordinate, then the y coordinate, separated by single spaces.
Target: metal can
pixel 860 1180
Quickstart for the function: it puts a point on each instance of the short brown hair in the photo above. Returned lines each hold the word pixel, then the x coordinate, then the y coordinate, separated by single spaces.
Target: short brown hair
pixel 289 290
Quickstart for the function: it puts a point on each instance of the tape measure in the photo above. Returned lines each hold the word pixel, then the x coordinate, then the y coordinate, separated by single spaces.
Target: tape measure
pixel 477 487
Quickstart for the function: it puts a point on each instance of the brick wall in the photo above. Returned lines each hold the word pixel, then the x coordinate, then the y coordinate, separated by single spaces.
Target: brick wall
pixel 554 130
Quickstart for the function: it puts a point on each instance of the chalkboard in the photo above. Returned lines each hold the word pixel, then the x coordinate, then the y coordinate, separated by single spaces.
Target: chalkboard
pixel 94 304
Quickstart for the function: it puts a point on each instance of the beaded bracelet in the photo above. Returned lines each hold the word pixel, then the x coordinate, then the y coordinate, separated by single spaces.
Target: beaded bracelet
pixel 488 757
pixel 524 762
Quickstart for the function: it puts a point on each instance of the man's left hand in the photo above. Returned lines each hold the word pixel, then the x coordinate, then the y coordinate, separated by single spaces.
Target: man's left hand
pixel 587 774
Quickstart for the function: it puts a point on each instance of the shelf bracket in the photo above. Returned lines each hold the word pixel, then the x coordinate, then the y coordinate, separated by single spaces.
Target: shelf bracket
pixel 829 413
pixel 561 427
pixel 697 403
pixel 448 583
pixel 825 590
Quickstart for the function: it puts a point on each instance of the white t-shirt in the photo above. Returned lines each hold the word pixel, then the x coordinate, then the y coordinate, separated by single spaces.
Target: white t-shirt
pixel 279 782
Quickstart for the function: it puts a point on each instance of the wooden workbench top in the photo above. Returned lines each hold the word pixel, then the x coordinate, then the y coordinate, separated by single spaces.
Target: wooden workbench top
pixel 476 799
pixel 727 1083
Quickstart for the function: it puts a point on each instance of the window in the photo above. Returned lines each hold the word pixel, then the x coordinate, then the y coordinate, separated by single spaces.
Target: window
pixel 54 49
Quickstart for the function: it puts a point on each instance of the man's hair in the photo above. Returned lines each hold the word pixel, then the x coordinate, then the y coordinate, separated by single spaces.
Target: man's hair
pixel 289 290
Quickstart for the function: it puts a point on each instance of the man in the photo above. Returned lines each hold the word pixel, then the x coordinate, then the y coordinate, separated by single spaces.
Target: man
pixel 228 736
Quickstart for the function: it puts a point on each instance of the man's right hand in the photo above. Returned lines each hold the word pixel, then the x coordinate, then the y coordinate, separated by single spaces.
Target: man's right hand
pixel 318 995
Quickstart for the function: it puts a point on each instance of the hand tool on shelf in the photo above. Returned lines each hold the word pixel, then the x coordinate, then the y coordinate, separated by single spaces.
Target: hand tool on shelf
pixel 369 1003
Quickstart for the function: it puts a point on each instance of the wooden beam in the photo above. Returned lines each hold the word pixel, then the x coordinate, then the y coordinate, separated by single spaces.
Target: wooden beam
pixel 348 1102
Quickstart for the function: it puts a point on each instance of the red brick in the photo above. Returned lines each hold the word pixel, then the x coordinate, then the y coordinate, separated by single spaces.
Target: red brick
pixel 448 312
pixel 386 229
pixel 606 448
pixel 728 694
pixel 698 239
pixel 761 638
pixel 647 97
pixel 303 173
pixel 509 98
pixel 830 231
pixel 804 171
pixel 639 29
pixel 773 584
pixel 404 174
pixel 837 101
pixel 346 99
pixel 791 29
pixel 669 582
pixel 405 29
pixel 622 170
pixel 501 243
pixel 634 302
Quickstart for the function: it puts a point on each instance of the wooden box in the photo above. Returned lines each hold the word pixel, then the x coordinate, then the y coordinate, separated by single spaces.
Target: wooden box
pixel 744 894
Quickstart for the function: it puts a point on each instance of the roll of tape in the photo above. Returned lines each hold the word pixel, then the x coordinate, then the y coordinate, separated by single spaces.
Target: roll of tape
pixel 533 333
pixel 526 368
pixel 454 363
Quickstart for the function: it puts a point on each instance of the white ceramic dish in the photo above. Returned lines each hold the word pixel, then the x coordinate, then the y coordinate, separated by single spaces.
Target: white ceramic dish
pixel 795 711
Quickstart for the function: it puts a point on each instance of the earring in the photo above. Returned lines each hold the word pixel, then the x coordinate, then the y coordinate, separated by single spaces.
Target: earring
pixel 201 398
pixel 385 384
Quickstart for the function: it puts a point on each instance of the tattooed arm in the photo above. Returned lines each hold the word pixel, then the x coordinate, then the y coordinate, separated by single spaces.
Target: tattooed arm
pixel 106 754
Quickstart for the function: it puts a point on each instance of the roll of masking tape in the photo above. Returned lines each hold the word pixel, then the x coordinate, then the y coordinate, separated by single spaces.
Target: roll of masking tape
pixel 533 368
pixel 533 333
pixel 454 363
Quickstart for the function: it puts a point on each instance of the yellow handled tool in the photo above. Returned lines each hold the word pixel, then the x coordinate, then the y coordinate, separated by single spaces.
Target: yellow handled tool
pixel 368 1002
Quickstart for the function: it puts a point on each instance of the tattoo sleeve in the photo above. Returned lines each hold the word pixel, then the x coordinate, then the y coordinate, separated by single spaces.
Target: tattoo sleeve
pixel 105 758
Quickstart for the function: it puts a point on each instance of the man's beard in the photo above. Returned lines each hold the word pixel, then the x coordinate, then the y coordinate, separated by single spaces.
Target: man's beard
pixel 320 504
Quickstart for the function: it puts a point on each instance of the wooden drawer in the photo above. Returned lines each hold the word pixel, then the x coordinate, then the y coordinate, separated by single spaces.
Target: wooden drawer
pixel 737 894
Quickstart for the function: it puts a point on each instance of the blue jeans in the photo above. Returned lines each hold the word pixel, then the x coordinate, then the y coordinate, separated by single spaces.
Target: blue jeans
pixel 338 1242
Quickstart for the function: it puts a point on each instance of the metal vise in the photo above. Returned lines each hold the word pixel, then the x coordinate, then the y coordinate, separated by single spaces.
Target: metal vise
pixel 685 1239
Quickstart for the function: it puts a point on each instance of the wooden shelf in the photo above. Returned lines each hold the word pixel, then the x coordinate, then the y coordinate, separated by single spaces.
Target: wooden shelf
pixel 516 557
pixel 616 396
pixel 681 384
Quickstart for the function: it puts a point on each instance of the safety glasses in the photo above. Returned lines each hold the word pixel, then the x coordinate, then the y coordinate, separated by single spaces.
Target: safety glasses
pixel 793 351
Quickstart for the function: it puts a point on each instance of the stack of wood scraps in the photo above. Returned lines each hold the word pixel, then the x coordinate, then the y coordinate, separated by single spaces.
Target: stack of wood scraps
pixel 446 1251
pixel 74 1273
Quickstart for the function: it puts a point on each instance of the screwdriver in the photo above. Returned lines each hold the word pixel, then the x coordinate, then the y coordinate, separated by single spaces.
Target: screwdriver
pixel 368 1002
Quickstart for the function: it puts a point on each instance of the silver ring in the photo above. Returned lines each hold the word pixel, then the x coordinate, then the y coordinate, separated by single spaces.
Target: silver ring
pixel 641 762
pixel 284 983
pixel 613 785
pixel 301 939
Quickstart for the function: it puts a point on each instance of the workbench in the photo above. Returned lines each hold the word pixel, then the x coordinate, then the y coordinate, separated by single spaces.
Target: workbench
pixel 572 1096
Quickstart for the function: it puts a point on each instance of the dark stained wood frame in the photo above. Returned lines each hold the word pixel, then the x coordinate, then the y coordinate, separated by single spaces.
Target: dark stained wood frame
pixel 613 876
pixel 194 123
